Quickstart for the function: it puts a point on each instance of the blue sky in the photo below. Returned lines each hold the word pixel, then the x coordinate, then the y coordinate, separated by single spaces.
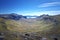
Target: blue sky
pixel 30 7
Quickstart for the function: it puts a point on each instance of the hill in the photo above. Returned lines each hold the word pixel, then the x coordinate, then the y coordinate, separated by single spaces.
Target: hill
pixel 44 26
pixel 12 16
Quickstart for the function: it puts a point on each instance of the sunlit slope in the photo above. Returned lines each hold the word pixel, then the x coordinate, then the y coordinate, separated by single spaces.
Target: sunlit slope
pixel 3 26
pixel 29 25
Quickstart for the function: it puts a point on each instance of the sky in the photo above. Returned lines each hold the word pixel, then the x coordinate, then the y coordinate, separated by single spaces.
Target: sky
pixel 30 7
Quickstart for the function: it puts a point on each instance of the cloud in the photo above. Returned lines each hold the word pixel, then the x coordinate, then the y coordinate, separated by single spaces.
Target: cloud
pixel 49 4
pixel 40 13
pixel 51 12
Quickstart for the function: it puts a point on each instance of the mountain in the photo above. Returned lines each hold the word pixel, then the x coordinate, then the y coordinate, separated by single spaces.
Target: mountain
pixel 17 27
pixel 12 16
pixel 48 18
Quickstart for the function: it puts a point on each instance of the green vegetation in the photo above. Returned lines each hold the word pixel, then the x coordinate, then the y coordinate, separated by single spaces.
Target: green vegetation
pixel 40 27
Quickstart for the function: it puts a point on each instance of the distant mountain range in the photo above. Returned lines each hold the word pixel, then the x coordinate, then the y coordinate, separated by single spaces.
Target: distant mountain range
pixel 12 16
pixel 17 17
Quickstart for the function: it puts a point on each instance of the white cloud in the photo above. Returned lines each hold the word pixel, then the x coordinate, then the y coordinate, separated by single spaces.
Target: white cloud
pixel 49 4
pixel 51 12
pixel 40 13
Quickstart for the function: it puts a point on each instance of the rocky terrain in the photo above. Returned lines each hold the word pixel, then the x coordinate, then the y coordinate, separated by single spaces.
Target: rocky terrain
pixel 18 27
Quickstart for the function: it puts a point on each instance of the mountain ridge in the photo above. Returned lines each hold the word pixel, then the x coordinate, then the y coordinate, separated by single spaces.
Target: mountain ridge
pixel 34 26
